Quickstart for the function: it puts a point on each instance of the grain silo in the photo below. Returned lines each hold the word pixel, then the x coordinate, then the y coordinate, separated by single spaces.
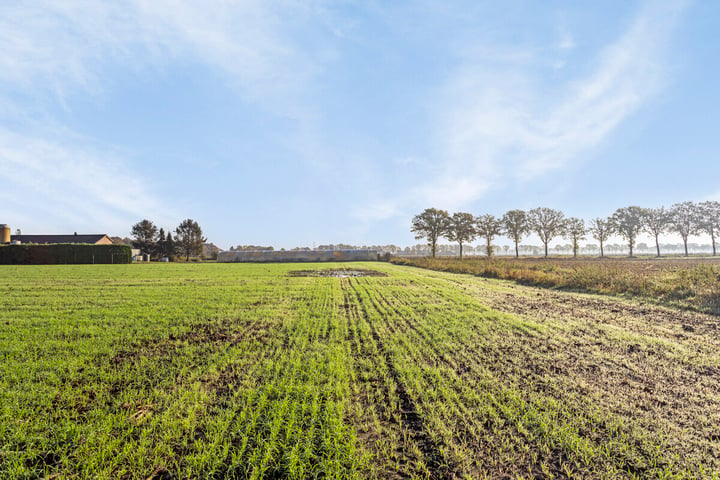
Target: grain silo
pixel 4 233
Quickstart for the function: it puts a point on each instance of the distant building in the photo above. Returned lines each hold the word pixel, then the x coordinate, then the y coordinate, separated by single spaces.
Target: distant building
pixel 210 251
pixel 266 256
pixel 96 239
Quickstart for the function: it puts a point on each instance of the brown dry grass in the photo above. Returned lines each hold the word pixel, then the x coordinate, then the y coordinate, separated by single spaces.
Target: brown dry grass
pixel 690 283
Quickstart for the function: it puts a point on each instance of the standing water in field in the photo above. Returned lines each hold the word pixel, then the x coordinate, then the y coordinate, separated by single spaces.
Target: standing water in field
pixel 337 273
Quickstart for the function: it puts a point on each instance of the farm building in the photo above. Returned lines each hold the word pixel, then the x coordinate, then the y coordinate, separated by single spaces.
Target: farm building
pixel 93 238
pixel 59 249
pixel 267 256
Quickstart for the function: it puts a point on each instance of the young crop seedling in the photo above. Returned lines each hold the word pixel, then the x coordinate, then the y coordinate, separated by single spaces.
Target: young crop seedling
pixel 255 371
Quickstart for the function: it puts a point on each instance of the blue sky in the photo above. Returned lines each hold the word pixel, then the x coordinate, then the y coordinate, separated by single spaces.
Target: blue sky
pixel 289 123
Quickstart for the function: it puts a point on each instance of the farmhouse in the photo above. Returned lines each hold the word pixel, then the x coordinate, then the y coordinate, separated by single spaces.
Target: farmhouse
pixel 95 239
pixel 60 249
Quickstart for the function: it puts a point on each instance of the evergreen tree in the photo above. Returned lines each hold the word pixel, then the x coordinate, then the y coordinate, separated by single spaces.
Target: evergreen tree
pixel 189 239
pixel 159 244
pixel 144 233
pixel 169 247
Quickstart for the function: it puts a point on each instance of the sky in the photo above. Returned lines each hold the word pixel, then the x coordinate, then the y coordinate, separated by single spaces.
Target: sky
pixel 300 123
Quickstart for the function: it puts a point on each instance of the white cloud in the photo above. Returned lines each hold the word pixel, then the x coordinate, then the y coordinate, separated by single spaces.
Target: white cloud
pixel 70 185
pixel 407 161
pixel 496 124
pixel 566 42
pixel 63 46
pixel 53 50
pixel 500 123
pixel 377 211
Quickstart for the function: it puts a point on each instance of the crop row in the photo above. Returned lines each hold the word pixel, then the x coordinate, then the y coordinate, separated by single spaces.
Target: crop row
pixel 246 371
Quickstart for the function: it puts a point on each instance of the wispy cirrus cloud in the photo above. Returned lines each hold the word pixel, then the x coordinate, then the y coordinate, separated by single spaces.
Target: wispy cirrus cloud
pixel 500 122
pixel 60 176
pixel 65 47
pixel 53 51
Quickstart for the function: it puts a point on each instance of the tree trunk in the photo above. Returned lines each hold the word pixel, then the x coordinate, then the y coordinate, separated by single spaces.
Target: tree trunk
pixel 517 252
pixel 630 245
pixel 433 247
pixel 712 235
pixel 460 250
pixel 488 248
pixel 575 248
pixel 546 251
pixel 657 245
pixel 685 243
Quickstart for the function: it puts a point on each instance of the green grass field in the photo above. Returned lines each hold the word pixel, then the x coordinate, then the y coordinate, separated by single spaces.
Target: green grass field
pixel 172 371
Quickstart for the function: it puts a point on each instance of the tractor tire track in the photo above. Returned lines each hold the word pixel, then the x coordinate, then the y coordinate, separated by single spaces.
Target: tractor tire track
pixel 464 363
pixel 431 452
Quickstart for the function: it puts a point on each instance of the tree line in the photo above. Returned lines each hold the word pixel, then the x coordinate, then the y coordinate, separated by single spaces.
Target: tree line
pixel 686 219
pixel 589 248
pixel 392 249
pixel 153 241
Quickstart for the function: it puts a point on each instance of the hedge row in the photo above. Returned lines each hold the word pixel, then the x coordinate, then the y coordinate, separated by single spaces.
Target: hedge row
pixel 64 253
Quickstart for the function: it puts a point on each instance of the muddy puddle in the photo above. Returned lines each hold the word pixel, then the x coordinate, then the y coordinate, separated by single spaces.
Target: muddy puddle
pixel 337 273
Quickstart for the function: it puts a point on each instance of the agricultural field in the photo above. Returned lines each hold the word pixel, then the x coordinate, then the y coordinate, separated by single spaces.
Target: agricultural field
pixel 685 282
pixel 372 370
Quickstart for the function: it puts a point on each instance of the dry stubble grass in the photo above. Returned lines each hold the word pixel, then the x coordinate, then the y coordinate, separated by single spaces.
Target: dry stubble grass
pixel 690 283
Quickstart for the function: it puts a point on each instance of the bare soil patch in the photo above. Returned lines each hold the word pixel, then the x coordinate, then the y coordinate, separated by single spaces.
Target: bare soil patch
pixel 338 273
pixel 630 359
